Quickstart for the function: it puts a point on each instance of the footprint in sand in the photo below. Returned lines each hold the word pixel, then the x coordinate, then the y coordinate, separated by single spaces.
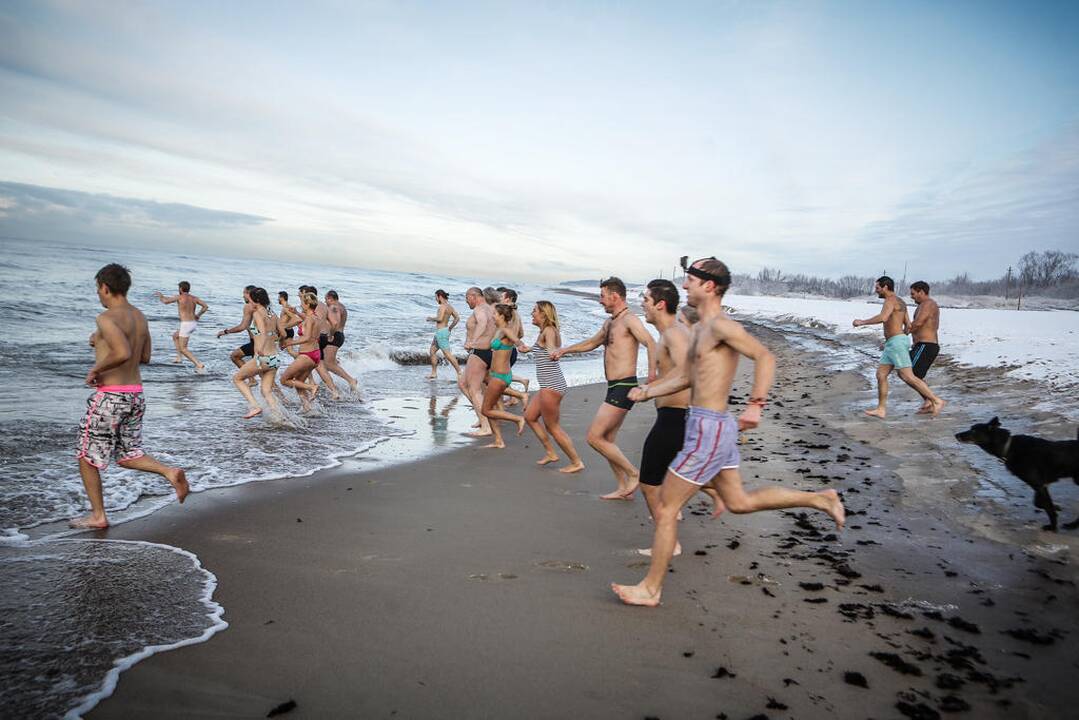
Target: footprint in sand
pixel 562 565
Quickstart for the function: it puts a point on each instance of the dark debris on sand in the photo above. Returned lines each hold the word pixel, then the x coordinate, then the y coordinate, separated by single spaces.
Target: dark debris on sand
pixel 722 672
pixel 855 678
pixel 285 707
pixel 897 663
pixel 1033 636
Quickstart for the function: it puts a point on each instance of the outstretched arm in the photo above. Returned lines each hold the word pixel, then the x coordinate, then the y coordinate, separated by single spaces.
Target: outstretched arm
pixel 584 346
pixel 166 299
pixel 886 310
pixel 245 322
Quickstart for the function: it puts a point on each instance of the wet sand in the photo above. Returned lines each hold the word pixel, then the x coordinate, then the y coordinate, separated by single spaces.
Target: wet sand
pixel 475 584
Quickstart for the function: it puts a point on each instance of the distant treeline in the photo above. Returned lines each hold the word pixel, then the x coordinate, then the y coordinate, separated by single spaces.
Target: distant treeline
pixel 1051 273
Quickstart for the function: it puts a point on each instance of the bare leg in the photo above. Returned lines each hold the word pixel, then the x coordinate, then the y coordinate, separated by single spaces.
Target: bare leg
pixel 674 493
pixel 181 346
pixel 434 361
pixel 880 410
pixel 248 371
pixel 327 379
pixel 91 480
pixel 532 415
pixel 472 387
pixel 551 409
pixel 738 501
pixel 174 475
pixel 601 436
pixel 452 361
pixel 717 502
pixel 492 412
pixel 237 357
pixel 329 359
pixel 176 341
pixel 651 497
pixel 907 375
pixel 269 386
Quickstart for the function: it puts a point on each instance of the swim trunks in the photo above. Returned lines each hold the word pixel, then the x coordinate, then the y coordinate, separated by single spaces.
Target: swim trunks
pixel 442 338
pixel 290 333
pixel 710 445
pixel 112 426
pixel 484 355
pixel 323 341
pixel 187 327
pixel 896 352
pixel 337 339
pixel 504 377
pixel 662 444
pixel 248 348
pixel 618 392
pixel 315 355
pixel 513 357
pixel 922 356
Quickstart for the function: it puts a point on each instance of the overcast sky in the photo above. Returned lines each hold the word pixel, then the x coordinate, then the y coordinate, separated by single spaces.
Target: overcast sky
pixel 549 140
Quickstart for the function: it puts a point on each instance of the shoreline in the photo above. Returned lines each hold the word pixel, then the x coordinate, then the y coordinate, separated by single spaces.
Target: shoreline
pixel 464 584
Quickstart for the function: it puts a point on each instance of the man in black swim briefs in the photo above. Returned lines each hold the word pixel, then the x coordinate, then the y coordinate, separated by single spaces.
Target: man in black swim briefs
pixel 247 349
pixel 621 338
pixel 479 331
pixel 924 331
pixel 338 317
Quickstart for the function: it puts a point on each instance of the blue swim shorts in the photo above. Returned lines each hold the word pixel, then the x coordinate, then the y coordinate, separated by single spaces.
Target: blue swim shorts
pixel 442 338
pixel 896 352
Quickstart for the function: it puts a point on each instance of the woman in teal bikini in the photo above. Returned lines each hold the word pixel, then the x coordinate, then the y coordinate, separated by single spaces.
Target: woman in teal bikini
pixel 264 330
pixel 500 376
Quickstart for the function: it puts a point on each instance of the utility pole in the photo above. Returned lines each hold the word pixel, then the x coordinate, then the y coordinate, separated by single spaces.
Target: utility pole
pixel 1007 283
pixel 1019 301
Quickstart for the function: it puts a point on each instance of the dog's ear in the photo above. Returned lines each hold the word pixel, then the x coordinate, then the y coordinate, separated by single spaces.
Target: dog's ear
pixel 995 422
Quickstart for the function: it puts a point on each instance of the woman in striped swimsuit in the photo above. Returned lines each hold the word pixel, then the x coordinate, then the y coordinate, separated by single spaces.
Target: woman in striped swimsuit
pixel 547 403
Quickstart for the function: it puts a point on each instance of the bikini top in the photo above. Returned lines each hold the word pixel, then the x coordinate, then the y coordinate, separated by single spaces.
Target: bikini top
pixel 255 330
pixel 499 345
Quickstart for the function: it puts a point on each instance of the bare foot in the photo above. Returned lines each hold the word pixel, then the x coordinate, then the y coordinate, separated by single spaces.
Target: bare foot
pixel 520 426
pixel 432 376
pixel 937 407
pixel 547 459
pixel 619 494
pixel 627 494
pixel 88 523
pixel 574 468
pixel 177 361
pixel 178 480
pixel 635 595
pixel 926 408
pixel 200 369
pixel 877 412
pixel 479 433
pixel 647 552
pixel 495 444
pixel 835 507
pixel 252 413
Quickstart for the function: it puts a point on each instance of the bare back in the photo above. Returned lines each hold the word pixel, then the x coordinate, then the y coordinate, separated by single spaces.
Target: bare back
pixel 185 304
pixel 480 328
pixel 928 313
pixel 620 346
pixel 338 317
pixel 116 328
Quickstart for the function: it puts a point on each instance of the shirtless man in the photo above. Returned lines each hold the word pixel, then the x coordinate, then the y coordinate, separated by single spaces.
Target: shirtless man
pixel 479 330
pixel 445 321
pixel 247 349
pixel 660 305
pixel 189 320
pixel 621 337
pixel 709 454
pixel 896 349
pixel 924 329
pixel 112 426
pixel 337 314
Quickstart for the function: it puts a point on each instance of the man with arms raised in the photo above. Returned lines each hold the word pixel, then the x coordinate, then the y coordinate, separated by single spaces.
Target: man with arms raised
pixel 621 337
pixel 112 426
pixel 896 349
pixel 709 452
pixel 445 321
pixel 924 329
pixel 479 330
pixel 337 315
pixel 189 320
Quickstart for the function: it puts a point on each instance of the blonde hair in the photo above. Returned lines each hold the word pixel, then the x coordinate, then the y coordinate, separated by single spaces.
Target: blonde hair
pixel 550 315
pixel 309 300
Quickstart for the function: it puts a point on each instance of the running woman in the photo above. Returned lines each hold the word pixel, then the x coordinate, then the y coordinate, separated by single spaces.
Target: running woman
pixel 264 329
pixel 547 403
pixel 309 356
pixel 502 345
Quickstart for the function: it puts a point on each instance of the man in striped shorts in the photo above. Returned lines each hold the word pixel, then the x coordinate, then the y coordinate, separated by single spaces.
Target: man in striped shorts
pixel 709 454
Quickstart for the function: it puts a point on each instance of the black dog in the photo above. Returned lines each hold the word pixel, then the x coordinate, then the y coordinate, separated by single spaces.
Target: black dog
pixel 1035 461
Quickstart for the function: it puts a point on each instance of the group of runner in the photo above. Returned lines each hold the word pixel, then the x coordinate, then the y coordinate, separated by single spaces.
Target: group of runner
pixel 692 446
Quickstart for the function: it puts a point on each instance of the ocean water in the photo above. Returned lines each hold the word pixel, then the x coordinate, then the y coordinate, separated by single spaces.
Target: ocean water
pixel 54 585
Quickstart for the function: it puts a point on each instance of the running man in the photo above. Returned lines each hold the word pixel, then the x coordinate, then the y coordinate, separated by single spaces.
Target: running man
pixel 337 314
pixel 445 321
pixel 112 426
pixel 189 320
pixel 924 330
pixel 896 349
pixel 709 454
pixel 660 305
pixel 479 331
pixel 247 349
pixel 621 338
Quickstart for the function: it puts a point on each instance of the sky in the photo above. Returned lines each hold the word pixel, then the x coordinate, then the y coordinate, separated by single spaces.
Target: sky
pixel 553 140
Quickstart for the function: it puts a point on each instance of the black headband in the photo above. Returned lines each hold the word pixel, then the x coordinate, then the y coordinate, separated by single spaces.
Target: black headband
pixel 706 276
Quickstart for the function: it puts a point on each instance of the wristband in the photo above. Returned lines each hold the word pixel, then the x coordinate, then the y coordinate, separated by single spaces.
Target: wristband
pixel 757 401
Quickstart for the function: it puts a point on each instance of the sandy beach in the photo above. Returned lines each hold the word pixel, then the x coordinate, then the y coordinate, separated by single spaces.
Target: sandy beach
pixel 475 584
